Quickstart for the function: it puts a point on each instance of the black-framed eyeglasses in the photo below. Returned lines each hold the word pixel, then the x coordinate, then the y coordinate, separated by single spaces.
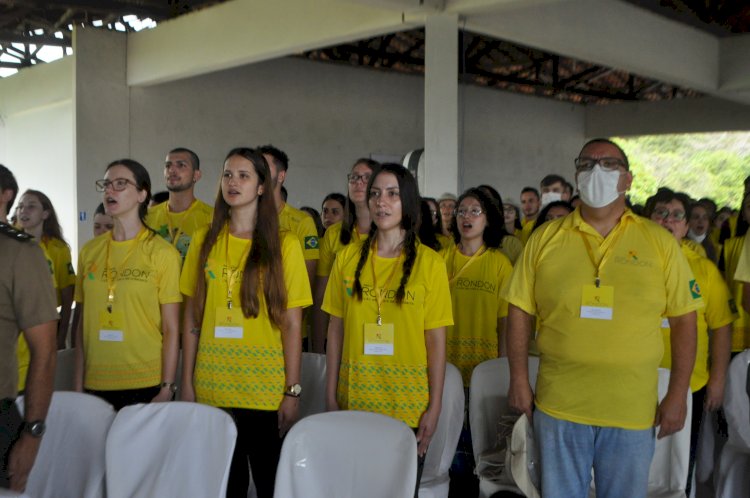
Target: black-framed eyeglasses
pixel 465 213
pixel 664 213
pixel 118 184
pixel 354 178
pixel 584 163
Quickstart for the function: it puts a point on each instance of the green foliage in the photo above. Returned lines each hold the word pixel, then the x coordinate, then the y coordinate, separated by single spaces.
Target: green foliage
pixel 702 165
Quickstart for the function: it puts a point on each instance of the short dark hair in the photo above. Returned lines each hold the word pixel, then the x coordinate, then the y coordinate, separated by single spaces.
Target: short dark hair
pixel 193 156
pixel 8 182
pixel 160 196
pixel 99 209
pixel 552 179
pixel 279 157
pixel 665 195
pixel 530 189
pixel 608 142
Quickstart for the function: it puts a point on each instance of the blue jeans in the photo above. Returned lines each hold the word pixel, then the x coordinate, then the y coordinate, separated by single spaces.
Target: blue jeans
pixel 621 459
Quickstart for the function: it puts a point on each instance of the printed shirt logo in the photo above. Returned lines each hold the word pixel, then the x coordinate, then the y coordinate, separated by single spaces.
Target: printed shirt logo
pixel 311 242
pixel 695 289
pixel 92 270
pixel 632 255
pixel 349 286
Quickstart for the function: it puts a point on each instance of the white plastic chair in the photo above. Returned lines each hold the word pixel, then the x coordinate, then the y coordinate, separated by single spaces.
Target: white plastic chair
pixel 347 453
pixel 669 467
pixel 64 370
pixel 174 449
pixel 733 478
pixel 435 479
pixel 313 382
pixel 70 461
pixel 488 401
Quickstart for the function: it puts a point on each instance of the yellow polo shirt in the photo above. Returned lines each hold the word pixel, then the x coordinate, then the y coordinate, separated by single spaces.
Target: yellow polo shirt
pixel 593 371
pixel 146 274
pixel 734 249
pixel 394 385
pixel 475 286
pixel 302 226
pixel 718 310
pixel 245 371
pixel 526 228
pixel 178 228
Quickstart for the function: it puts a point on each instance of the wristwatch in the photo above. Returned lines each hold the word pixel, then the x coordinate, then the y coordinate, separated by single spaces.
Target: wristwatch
pixel 35 428
pixel 295 390
pixel 171 385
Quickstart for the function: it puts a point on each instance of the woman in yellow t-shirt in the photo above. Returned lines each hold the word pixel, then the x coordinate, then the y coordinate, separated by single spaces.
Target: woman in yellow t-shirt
pixel 389 303
pixel 128 291
pixel 510 245
pixel 246 285
pixel 37 217
pixel 477 272
pixel 731 253
pixel 355 226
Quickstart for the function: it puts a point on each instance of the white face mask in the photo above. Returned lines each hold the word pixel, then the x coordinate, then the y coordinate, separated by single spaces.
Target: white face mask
pixel 597 187
pixel 548 197
pixel 694 236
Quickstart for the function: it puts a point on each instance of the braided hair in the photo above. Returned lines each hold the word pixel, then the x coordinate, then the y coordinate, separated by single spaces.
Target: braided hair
pixel 410 222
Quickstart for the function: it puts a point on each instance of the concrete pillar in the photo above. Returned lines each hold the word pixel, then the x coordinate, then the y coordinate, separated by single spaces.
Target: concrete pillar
pixel 441 127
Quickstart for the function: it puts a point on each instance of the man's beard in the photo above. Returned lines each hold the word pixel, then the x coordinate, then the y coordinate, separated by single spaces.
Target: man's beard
pixel 180 187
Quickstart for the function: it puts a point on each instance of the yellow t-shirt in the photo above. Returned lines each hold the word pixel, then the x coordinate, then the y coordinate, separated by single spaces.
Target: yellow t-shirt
pixel 330 246
pixel 716 312
pixel 178 228
pixel 475 286
pixel 302 226
pixel 527 227
pixel 512 247
pixel 594 371
pixel 734 248
pixel 245 371
pixel 57 254
pixel 445 242
pixel 395 385
pixel 695 247
pixel 124 347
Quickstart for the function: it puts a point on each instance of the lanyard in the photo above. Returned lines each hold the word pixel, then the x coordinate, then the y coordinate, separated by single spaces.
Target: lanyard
pixel 378 296
pixel 111 282
pixel 605 256
pixel 232 274
pixel 452 279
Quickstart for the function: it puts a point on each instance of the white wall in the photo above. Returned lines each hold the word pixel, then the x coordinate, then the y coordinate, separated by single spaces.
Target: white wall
pixel 325 116
pixel 37 130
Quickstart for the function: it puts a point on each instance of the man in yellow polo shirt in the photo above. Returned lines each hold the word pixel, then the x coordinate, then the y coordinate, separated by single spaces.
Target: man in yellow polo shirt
pixel 182 215
pixel 296 221
pixel 598 281
pixel 530 204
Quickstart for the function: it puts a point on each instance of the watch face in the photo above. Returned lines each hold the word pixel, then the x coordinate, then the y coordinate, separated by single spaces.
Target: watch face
pixel 295 389
pixel 36 429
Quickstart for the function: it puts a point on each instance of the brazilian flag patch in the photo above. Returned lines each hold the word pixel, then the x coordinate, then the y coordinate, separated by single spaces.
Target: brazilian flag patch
pixel 311 242
pixel 695 289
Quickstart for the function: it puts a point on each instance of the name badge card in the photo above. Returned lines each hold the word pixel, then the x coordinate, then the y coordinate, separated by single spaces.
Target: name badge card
pixel 597 302
pixel 228 324
pixel 111 326
pixel 379 339
pixel 665 323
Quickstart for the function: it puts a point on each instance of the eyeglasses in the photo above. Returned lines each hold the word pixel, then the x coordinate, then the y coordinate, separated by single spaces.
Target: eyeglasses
pixel 356 178
pixel 465 213
pixel 118 184
pixel 584 163
pixel 664 213
pixel 509 209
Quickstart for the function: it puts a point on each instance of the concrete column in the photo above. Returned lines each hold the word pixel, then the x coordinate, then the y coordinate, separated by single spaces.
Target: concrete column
pixel 441 127
pixel 102 112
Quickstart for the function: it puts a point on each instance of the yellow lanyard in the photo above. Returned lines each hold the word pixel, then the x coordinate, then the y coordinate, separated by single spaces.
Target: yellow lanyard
pixel 232 274
pixel 111 282
pixel 605 256
pixel 378 295
pixel 454 277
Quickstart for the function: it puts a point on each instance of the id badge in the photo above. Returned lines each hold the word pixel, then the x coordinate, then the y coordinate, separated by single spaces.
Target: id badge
pixel 379 339
pixel 597 302
pixel 111 326
pixel 228 324
pixel 665 323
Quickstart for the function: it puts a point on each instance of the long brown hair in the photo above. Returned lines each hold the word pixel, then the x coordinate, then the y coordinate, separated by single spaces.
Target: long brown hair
pixel 263 267
pixel 51 226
